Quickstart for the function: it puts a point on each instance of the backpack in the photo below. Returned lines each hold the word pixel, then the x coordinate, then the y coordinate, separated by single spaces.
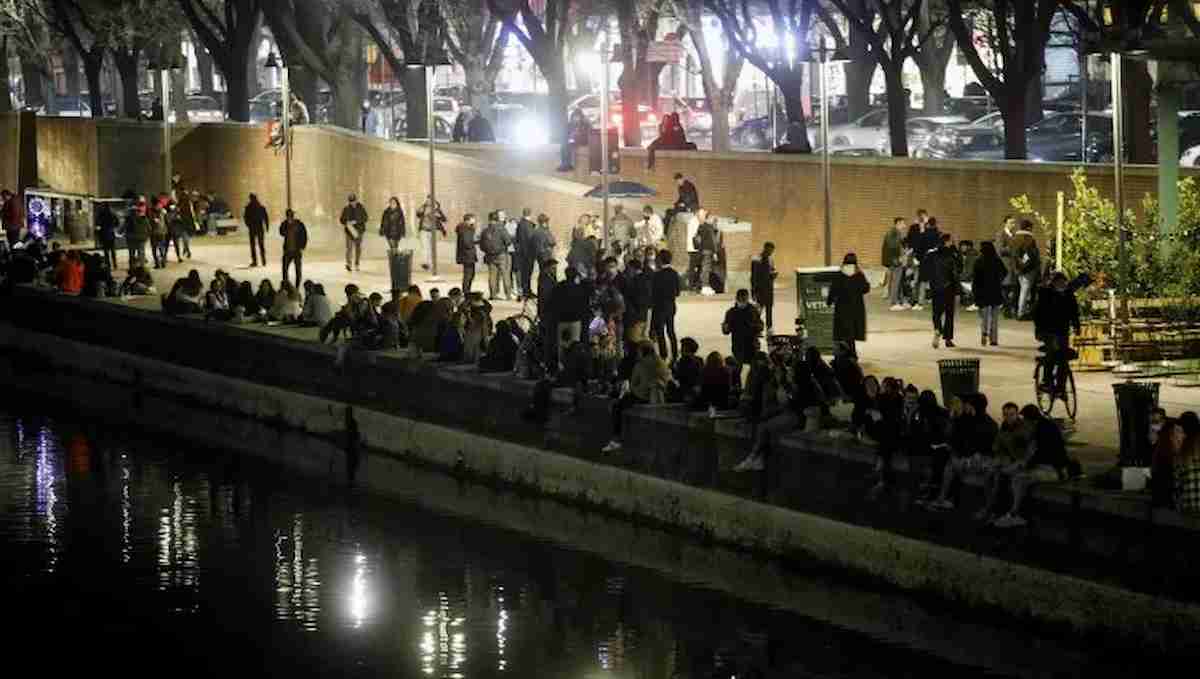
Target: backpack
pixel 492 242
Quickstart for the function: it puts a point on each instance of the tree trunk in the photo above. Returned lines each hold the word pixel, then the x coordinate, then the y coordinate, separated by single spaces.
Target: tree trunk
pixel 475 76
pixel 204 66
pixel 70 65
pixel 237 85
pixel 1033 101
pixel 859 74
pixel 253 87
pixel 415 91
pixel 556 84
pixel 31 82
pixel 303 84
pixel 1013 109
pixel 719 96
pixel 179 95
pixel 92 68
pixel 1138 88
pixel 791 86
pixel 897 110
pixel 127 67
pixel 6 98
pixel 933 81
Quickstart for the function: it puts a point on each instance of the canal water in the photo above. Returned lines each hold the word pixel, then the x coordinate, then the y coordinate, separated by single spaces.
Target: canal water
pixel 131 554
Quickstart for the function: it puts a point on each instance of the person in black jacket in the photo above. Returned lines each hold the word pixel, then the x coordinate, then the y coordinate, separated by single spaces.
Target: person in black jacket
pixel 743 326
pixel 762 282
pixel 295 239
pixel 849 308
pixel 256 218
pixel 106 223
pixel 689 197
pixel 987 284
pixel 525 253
pixel 354 224
pixel 945 273
pixel 570 309
pixel 637 287
pixel 1056 314
pixel 665 289
pixel 392 225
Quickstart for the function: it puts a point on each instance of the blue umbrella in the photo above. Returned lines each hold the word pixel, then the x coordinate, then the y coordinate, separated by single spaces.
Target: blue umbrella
pixel 622 189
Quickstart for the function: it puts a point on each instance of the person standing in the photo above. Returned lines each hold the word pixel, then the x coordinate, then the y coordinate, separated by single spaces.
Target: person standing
pixel 509 267
pixel 928 242
pixel 464 250
pixel 1004 248
pixel 159 240
pixel 178 228
pixel 432 221
pixel 524 253
pixel 849 309
pixel 650 229
pixel 10 217
pixel 708 243
pixel 354 224
pixel 295 239
pixel 987 284
pixel 106 223
pixel 494 242
pixel 392 225
pixel 621 229
pixel 744 327
pixel 892 257
pixel 664 291
pixel 543 245
pixel 256 218
pixel 137 231
pixel 944 287
pixel 1028 261
pixel 762 282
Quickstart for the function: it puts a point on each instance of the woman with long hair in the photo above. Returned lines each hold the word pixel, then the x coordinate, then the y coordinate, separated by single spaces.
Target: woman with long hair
pixel 987 285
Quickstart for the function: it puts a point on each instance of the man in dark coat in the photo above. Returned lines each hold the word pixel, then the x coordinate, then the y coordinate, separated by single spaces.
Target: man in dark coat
pixel 524 252
pixel 927 245
pixel 295 239
pixel 256 218
pixel 762 282
pixel 637 287
pixel 945 274
pixel 665 289
pixel 354 223
pixel 849 308
pixel 743 326
pixel 1056 314
pixel 464 250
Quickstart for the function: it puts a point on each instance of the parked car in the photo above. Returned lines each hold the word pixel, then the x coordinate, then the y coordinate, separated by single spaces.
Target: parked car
pixel 203 109
pixel 983 142
pixel 695 115
pixel 443 131
pixel 868 131
pixel 69 106
pixel 755 133
pixel 1190 157
pixel 919 130
pixel 590 106
pixel 1059 137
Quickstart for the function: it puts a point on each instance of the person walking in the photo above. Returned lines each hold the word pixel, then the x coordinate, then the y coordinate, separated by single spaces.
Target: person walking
pixel 256 218
pixel 494 242
pixel 849 308
pixel 392 225
pixel 944 288
pixel 137 231
pixel 1028 261
pixel 744 326
pixel 464 250
pixel 159 239
pixel 664 291
pixel 106 224
pixel 295 239
pixel 179 230
pixel 892 257
pixel 762 282
pixel 524 253
pixel 708 243
pixel 987 284
pixel 354 225
pixel 432 221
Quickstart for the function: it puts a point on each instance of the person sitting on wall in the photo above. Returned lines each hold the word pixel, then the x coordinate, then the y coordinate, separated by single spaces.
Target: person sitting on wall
pixel 671 137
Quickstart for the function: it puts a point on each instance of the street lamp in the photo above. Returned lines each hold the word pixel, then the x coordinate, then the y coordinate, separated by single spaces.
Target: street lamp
pixel 433 59
pixel 285 102
pixel 605 57
pixel 827 57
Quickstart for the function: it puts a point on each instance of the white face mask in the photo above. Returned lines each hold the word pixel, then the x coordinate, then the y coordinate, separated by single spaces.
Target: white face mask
pixel 848 269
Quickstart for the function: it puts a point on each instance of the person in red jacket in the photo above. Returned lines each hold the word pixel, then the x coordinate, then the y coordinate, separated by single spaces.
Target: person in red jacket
pixel 69 274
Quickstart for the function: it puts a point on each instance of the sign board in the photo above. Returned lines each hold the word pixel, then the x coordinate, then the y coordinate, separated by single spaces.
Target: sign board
pixel 665 51
pixel 812 310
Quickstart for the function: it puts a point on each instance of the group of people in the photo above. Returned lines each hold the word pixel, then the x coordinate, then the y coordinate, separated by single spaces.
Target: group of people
pixel 1175 464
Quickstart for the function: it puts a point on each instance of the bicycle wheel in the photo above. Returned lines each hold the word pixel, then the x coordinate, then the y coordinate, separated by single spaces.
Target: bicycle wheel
pixel 1070 398
pixel 1045 397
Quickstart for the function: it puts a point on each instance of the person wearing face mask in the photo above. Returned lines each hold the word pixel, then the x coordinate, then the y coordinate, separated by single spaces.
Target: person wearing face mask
pixel 849 310
pixel 744 327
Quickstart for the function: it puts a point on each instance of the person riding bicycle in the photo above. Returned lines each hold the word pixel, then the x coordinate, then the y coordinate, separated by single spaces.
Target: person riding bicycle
pixel 1056 314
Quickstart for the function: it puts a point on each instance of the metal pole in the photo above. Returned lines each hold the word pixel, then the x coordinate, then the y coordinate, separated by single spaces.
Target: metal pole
pixel 432 182
pixel 285 112
pixel 1119 196
pixel 774 117
pixel 1084 60
pixel 165 74
pixel 604 116
pixel 825 169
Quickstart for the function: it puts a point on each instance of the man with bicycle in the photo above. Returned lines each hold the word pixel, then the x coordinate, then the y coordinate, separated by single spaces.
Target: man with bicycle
pixel 1056 314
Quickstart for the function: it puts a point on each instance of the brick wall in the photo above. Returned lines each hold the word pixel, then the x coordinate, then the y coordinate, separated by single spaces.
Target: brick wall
pixel 67 157
pixel 10 158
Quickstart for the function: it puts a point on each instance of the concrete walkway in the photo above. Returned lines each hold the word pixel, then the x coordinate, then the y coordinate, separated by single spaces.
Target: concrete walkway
pixel 898 342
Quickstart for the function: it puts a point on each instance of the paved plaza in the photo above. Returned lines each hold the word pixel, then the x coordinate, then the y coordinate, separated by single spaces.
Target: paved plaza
pixel 898 343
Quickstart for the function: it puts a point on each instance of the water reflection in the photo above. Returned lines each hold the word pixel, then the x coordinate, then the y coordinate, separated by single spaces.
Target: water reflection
pixel 297 578
pixel 46 479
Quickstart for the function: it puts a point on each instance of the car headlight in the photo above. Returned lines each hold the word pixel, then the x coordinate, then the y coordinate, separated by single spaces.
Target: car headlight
pixel 651 118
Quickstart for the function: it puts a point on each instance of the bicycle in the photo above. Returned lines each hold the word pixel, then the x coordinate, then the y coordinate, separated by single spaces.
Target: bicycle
pixel 1047 396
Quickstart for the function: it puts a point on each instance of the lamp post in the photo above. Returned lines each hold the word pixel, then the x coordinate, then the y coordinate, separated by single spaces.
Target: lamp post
pixel 285 115
pixel 827 57
pixel 164 61
pixel 604 118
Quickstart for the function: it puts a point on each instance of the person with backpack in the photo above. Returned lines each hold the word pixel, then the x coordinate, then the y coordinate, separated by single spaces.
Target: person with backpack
pixel 464 250
pixel 494 242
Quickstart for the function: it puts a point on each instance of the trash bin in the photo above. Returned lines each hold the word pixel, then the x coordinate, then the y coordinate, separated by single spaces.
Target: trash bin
pixel 1135 400
pixel 400 266
pixel 960 376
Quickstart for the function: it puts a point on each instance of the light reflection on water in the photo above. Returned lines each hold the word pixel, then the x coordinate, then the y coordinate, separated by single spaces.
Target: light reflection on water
pixel 322 579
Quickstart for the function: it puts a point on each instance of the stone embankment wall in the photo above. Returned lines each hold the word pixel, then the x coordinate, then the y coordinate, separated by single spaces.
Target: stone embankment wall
pixel 458 420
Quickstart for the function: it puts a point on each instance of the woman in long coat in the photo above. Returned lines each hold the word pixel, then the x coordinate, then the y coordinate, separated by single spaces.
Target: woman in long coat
pixel 849 309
